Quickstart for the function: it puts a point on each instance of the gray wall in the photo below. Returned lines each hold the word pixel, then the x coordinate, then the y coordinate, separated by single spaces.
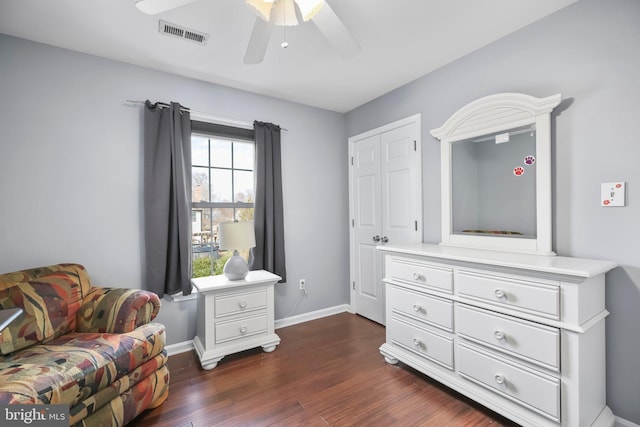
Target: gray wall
pixel 71 173
pixel 589 52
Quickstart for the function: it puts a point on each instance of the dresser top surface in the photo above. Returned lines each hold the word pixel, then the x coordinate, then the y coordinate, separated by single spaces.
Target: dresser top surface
pixel 569 266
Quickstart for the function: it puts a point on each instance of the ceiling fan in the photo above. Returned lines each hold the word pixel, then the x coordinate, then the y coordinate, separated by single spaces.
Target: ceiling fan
pixel 281 13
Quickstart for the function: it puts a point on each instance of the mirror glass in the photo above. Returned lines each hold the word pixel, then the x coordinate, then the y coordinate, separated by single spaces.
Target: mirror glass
pixel 493 184
pixel 496 174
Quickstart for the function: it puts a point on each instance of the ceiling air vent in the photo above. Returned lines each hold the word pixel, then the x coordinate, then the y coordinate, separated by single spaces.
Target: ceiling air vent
pixel 174 30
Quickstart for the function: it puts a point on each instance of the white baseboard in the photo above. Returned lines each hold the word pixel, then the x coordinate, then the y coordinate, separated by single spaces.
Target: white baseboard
pixel 621 422
pixel 183 347
pixel 312 315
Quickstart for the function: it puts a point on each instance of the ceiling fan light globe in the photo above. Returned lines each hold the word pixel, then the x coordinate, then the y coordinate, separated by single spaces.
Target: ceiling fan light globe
pixel 309 8
pixel 262 8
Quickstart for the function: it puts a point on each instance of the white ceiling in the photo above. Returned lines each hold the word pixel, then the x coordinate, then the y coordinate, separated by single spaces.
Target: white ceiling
pixel 401 40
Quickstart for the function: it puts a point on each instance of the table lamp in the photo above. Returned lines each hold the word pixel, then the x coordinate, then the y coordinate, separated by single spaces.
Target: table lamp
pixel 235 235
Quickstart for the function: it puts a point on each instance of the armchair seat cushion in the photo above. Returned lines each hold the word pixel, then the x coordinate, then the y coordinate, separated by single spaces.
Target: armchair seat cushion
pixel 75 366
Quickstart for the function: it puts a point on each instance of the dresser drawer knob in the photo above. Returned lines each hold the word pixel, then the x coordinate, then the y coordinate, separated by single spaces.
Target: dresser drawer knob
pixel 243 304
pixel 417 307
pixel 500 379
pixel 419 277
pixel 243 330
pixel 499 293
pixel 416 342
pixel 499 335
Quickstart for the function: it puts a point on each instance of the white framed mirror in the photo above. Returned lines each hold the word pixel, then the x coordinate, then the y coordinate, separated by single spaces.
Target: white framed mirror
pixel 496 174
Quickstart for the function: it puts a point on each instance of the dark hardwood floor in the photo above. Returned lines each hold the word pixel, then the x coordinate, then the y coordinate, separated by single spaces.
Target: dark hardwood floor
pixel 326 372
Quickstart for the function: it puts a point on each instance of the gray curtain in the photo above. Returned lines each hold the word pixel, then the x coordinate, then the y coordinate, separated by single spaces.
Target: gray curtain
pixel 167 198
pixel 268 214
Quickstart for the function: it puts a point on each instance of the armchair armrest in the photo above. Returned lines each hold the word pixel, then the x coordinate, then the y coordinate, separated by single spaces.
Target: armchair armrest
pixel 116 310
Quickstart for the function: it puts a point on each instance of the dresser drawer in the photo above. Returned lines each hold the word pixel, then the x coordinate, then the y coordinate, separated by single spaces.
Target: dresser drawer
pixel 533 342
pixel 526 386
pixel 241 328
pixel 512 292
pixel 432 310
pixel 419 273
pixel 227 304
pixel 433 346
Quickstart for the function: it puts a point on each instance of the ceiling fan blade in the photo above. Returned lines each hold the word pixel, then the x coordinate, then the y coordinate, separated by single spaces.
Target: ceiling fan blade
pixel 153 7
pixel 258 42
pixel 336 33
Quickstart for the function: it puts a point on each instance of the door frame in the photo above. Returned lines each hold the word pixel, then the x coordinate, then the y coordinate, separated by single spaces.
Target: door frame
pixel 415 118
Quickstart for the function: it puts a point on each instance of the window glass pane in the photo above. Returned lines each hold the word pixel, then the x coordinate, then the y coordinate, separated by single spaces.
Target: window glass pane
pixel 199 184
pixel 199 150
pixel 243 155
pixel 220 215
pixel 221 186
pixel 207 258
pixel 244 214
pixel 243 186
pixel 221 153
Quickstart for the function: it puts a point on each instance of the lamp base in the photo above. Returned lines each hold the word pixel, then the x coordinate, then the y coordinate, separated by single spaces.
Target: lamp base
pixel 236 268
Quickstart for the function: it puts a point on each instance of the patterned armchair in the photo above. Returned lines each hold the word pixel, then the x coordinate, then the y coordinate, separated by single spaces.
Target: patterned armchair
pixel 89 347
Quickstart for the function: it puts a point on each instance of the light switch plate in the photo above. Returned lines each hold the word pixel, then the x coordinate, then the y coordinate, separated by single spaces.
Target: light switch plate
pixel 612 194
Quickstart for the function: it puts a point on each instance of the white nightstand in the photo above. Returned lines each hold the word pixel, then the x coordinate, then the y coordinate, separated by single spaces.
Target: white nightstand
pixel 234 315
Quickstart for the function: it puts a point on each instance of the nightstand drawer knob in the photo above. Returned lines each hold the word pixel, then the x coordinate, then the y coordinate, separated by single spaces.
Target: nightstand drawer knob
pixel 419 277
pixel 243 330
pixel 500 379
pixel 416 342
pixel 499 335
pixel 499 293
pixel 243 304
pixel 417 307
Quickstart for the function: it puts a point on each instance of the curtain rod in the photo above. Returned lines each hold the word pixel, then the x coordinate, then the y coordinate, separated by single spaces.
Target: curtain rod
pixel 206 116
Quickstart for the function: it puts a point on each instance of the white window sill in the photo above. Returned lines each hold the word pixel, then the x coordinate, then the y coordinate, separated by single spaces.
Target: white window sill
pixel 181 298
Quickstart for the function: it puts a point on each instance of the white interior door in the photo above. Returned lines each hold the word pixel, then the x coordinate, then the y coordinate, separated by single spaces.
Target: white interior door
pixel 367 227
pixel 386 203
pixel 400 185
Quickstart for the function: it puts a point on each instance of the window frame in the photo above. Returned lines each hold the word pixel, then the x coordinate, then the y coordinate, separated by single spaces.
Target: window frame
pixel 215 130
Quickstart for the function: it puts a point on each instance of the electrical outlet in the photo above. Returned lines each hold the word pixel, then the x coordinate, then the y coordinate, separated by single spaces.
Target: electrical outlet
pixel 302 284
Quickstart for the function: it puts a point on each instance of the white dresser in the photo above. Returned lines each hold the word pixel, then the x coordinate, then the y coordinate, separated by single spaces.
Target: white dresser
pixel 521 334
pixel 234 315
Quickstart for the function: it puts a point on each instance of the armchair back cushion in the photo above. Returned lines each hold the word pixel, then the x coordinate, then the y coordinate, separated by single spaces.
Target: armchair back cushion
pixel 50 297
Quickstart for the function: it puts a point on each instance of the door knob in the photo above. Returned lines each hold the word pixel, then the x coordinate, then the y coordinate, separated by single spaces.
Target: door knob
pixel 376 238
pixel 385 239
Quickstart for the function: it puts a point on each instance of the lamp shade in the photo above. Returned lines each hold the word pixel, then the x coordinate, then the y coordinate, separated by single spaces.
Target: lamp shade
pixel 235 235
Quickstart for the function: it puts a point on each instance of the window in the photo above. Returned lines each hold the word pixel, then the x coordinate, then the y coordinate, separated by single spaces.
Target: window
pixel 222 185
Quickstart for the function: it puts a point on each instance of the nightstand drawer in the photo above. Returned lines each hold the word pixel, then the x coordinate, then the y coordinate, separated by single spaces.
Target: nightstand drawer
pixel 420 273
pixel 433 310
pixel 430 345
pixel 526 386
pixel 241 328
pixel 530 341
pixel 512 292
pixel 238 302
